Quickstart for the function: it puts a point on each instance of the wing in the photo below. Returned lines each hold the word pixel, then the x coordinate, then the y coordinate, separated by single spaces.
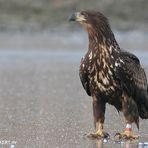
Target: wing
pixel 84 76
pixel 133 80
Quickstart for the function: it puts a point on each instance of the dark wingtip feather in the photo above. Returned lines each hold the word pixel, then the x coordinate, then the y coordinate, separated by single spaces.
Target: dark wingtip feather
pixel 143 105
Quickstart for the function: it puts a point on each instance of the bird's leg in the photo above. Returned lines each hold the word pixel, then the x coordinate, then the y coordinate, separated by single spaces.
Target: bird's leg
pixel 127 134
pixel 131 115
pixel 100 133
pixel 99 111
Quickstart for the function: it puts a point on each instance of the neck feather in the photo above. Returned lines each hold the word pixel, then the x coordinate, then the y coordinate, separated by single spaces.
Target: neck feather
pixel 99 40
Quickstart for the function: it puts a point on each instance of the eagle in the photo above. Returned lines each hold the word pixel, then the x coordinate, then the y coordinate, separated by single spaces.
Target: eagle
pixel 111 75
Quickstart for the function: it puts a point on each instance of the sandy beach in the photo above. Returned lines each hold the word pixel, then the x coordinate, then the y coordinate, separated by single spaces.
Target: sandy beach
pixel 43 104
pixel 42 101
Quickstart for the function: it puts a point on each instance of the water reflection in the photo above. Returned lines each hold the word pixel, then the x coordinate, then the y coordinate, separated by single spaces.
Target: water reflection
pixel 7 145
pixel 122 144
pixel 129 144
pixel 101 143
pixel 143 145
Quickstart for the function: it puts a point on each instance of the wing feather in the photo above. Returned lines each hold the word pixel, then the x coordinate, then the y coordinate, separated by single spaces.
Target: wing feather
pixel 133 79
pixel 84 77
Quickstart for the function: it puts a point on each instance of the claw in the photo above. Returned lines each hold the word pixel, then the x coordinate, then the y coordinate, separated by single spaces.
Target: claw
pixel 99 135
pixel 94 136
pixel 126 136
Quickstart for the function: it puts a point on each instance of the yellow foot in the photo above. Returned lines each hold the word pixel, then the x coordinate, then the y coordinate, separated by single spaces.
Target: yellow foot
pixel 126 135
pixel 99 135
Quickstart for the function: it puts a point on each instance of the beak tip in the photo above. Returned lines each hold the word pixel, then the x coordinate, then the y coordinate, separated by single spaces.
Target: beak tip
pixel 72 18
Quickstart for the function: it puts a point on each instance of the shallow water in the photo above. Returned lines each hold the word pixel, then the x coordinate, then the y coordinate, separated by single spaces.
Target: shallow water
pixel 44 105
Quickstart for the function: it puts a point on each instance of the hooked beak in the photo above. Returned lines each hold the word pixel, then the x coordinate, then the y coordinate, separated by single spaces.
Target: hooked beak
pixel 77 16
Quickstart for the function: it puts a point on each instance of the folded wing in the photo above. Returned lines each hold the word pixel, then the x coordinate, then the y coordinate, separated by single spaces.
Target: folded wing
pixel 133 79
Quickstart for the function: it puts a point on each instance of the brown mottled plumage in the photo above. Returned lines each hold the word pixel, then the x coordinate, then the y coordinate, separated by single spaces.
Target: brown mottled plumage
pixel 110 74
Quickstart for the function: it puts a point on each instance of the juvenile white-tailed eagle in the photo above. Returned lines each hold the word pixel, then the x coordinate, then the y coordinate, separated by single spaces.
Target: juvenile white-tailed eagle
pixel 111 75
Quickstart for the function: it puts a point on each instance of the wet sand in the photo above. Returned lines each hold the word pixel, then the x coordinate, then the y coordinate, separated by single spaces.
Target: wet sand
pixel 43 104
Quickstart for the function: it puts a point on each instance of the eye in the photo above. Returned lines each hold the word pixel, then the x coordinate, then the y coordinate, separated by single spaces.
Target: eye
pixel 85 14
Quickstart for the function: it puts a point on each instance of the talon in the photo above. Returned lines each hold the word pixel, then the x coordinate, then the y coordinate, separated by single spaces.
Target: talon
pixel 117 136
pixel 107 136
pixel 94 136
pixel 126 135
pixel 99 135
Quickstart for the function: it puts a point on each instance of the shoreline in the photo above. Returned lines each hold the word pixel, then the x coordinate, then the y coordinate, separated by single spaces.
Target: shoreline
pixel 74 40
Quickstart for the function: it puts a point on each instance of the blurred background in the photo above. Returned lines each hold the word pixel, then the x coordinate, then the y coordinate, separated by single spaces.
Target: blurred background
pixel 39 15
pixel 42 23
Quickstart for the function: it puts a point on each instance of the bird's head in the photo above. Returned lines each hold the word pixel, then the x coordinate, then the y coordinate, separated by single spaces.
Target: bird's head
pixel 93 21
pixel 89 18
